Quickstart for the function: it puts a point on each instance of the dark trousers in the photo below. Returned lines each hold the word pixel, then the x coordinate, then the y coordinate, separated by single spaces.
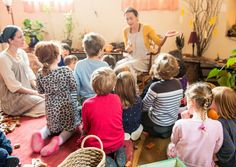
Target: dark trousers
pixel 154 129
pixel 3 156
pixel 117 158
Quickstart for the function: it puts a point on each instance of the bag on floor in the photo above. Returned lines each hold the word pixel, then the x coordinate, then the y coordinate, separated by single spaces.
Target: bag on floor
pixel 84 157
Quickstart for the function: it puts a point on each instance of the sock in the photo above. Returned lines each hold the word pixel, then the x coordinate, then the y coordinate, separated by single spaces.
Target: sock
pixel 127 136
pixel 136 134
pixel 37 142
pixel 52 147
pixel 64 136
pixel 45 132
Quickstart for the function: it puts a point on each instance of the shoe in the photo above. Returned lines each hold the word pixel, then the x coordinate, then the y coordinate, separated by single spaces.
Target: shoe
pixel 137 133
pixel 12 161
pixel 51 148
pixel 37 142
pixel 127 136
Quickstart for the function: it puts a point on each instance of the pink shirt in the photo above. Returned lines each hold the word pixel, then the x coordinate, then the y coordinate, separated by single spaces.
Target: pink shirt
pixel 102 116
pixel 196 147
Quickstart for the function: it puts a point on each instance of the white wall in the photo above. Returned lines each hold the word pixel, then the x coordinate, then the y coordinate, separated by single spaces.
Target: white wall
pixel 110 21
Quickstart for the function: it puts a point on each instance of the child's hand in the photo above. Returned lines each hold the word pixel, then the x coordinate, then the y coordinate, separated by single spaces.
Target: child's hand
pixel 171 151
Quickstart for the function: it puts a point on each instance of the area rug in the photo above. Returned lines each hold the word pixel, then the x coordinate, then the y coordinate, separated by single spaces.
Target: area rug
pixel 22 135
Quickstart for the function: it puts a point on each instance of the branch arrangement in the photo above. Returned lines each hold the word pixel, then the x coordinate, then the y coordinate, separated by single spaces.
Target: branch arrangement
pixel 205 14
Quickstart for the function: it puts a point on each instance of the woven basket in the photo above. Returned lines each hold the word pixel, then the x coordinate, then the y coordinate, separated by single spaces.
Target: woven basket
pixel 86 157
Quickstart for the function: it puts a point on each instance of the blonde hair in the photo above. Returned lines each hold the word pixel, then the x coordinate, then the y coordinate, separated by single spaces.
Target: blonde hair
pixel 225 101
pixel 47 52
pixel 165 66
pixel 121 68
pixel 126 88
pixel 103 80
pixel 202 95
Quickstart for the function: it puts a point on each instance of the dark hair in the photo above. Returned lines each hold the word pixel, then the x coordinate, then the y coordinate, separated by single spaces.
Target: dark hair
pixel 110 60
pixel 131 10
pixel 178 55
pixel 69 59
pixel 9 32
pixel 66 47
pixel 47 52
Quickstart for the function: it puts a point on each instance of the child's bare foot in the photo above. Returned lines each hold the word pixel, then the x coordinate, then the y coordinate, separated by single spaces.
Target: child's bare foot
pixel 37 142
pixel 51 148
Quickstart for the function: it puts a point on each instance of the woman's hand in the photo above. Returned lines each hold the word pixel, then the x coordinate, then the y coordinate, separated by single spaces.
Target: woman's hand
pixel 129 49
pixel 171 33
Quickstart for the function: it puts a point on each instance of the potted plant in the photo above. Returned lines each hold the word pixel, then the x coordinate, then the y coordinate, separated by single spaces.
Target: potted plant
pixel 227 74
pixel 33 31
pixel 68 28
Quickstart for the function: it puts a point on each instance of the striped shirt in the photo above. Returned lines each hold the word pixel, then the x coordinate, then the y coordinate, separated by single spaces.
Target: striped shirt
pixel 162 101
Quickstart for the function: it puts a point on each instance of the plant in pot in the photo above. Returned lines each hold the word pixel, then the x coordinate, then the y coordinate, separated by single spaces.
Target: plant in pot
pixel 226 76
pixel 33 31
pixel 68 28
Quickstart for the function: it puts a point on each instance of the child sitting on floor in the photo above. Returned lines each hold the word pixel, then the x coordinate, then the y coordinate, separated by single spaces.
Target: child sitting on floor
pixel 5 150
pixel 59 86
pixel 225 104
pixel 93 44
pixel 162 101
pixel 111 61
pixel 196 140
pixel 131 103
pixel 70 61
pixel 102 116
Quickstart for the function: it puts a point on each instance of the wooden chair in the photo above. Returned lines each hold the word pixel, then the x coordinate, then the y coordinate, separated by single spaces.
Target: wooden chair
pixel 144 77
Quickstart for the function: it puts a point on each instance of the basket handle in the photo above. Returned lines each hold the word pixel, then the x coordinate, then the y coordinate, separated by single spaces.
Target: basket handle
pixel 92 136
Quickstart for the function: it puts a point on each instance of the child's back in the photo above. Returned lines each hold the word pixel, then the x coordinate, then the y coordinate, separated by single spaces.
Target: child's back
pixel 196 147
pixel 60 99
pixel 93 44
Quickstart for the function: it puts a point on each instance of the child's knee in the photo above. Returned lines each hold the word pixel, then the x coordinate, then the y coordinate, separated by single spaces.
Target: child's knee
pixel 3 153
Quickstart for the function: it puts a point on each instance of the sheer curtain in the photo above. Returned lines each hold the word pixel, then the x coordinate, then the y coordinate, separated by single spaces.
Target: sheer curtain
pixel 151 4
pixel 31 6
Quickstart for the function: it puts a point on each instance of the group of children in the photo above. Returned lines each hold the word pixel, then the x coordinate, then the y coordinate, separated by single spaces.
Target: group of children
pixel 111 108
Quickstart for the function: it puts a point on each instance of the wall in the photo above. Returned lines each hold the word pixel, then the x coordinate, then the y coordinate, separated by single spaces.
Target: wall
pixel 106 17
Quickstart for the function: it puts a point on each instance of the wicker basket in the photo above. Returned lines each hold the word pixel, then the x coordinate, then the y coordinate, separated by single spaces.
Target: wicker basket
pixel 86 157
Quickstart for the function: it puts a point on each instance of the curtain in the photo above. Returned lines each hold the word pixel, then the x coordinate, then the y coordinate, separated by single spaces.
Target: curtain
pixel 151 4
pixel 31 6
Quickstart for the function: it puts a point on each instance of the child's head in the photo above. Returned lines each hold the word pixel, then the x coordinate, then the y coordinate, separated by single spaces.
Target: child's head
pixel 93 44
pixel 126 88
pixel 111 61
pixel 70 61
pixel 225 101
pixel 199 97
pixel 121 68
pixel 48 53
pixel 103 81
pixel 165 67
pixel 66 50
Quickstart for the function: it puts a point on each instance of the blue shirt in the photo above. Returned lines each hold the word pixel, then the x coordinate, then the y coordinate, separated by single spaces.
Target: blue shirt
pixel 132 116
pixel 83 71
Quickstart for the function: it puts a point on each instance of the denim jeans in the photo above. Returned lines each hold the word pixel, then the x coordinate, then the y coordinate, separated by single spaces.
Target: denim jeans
pixel 117 158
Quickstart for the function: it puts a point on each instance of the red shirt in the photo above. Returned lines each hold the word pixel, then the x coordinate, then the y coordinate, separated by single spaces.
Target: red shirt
pixel 102 116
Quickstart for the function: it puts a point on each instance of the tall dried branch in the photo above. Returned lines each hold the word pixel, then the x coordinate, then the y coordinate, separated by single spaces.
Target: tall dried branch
pixel 205 15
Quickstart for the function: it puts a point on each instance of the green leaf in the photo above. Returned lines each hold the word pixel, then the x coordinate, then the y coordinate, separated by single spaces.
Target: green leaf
pixel 231 61
pixel 222 81
pixel 213 73
pixel 234 52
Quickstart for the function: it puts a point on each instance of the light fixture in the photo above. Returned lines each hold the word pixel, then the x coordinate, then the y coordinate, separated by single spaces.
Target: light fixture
pixel 8 4
pixel 193 39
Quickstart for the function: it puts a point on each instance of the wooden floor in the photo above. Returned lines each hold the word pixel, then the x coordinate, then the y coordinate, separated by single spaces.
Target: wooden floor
pixel 144 155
